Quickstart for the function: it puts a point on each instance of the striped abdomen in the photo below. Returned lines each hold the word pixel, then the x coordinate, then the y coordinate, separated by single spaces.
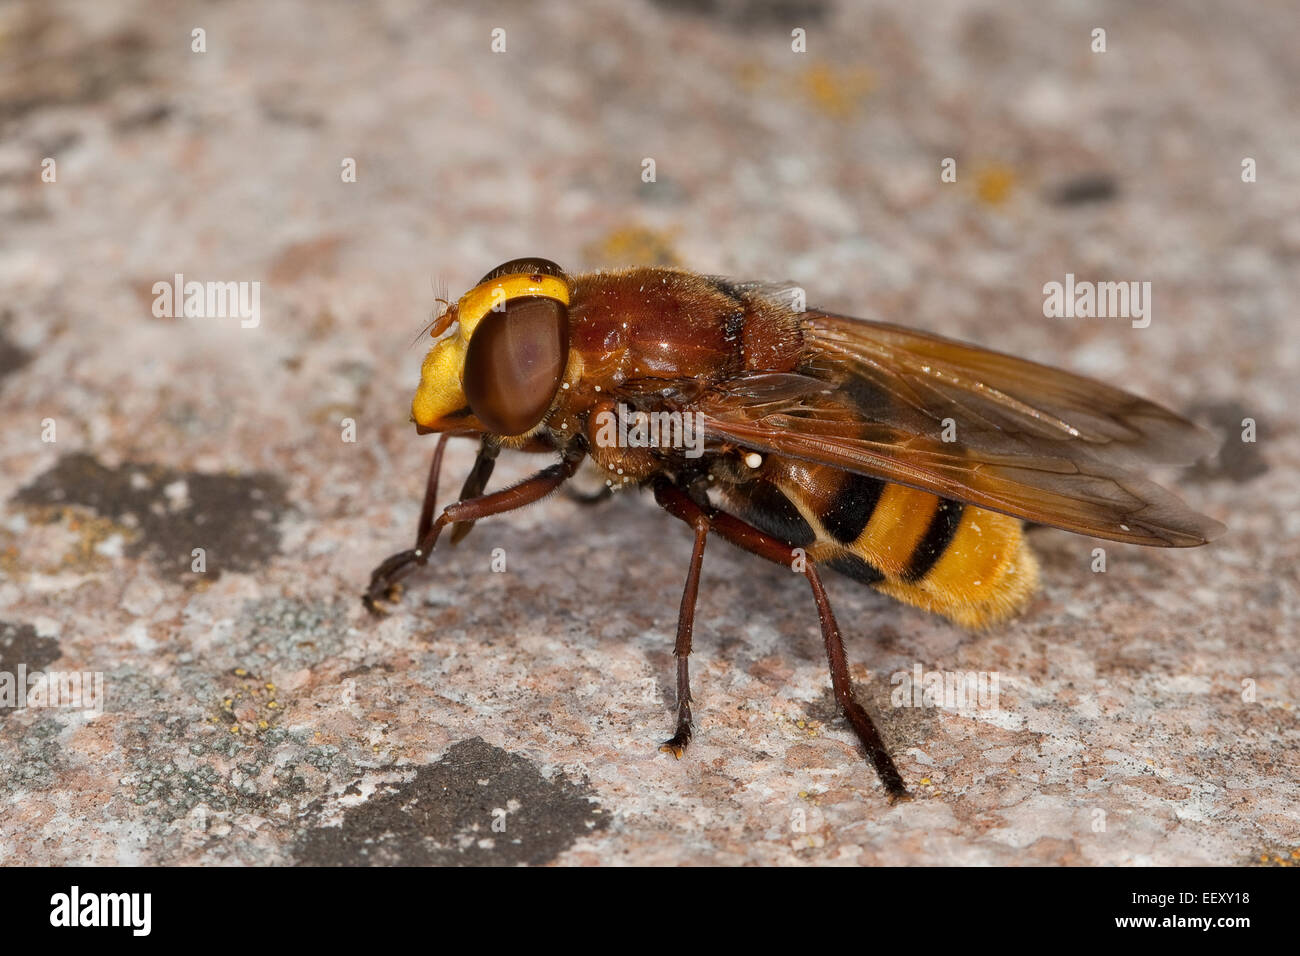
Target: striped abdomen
pixel 971 565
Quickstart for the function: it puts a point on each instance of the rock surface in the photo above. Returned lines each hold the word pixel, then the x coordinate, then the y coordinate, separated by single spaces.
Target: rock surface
pixel 252 713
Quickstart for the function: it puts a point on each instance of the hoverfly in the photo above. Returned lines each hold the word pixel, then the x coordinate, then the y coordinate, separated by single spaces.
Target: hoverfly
pixel 903 460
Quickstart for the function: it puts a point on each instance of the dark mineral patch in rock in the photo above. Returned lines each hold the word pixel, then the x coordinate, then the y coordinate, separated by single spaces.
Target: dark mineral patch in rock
pixel 231 517
pixel 46 68
pixel 20 644
pixel 12 358
pixel 753 14
pixel 1089 188
pixel 445 816
pixel 1236 460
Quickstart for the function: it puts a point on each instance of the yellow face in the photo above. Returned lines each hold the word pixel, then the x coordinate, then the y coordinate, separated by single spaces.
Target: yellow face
pixel 442 390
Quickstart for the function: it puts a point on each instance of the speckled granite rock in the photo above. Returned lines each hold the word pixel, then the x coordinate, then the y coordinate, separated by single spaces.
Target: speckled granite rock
pixel 252 712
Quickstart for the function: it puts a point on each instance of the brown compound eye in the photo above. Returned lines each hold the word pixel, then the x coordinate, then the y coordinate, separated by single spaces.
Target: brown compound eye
pixel 514 363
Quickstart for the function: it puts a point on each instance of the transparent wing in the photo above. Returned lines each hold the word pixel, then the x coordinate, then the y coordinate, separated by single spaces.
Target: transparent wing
pixel 1028 440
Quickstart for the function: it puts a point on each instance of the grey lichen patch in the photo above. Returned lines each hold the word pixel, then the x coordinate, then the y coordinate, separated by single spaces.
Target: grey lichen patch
pixel 178 771
pixel 169 791
pixel 20 644
pixel 278 632
pixel 31 757
pixel 235 687
pixel 477 806
pixel 224 754
pixel 232 518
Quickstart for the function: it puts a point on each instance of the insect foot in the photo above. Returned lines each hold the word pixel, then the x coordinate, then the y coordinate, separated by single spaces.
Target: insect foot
pixel 677 746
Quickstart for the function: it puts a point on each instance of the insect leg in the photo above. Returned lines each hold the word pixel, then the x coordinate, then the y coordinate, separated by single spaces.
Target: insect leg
pixel 592 498
pixel 751 539
pixel 475 483
pixel 391 571
pixel 431 491
pixel 857 715
pixel 685 621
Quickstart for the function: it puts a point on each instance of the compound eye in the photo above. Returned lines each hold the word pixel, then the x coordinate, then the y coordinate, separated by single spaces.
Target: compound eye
pixel 515 362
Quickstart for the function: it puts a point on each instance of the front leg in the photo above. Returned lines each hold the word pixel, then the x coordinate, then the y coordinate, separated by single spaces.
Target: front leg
pixel 384 578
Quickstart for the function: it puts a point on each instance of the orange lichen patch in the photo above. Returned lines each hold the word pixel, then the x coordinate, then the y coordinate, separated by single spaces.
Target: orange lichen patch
pixel 249 704
pixel 750 76
pixel 9 562
pixel 834 92
pixel 90 531
pixel 994 183
pixel 1280 858
pixel 633 246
